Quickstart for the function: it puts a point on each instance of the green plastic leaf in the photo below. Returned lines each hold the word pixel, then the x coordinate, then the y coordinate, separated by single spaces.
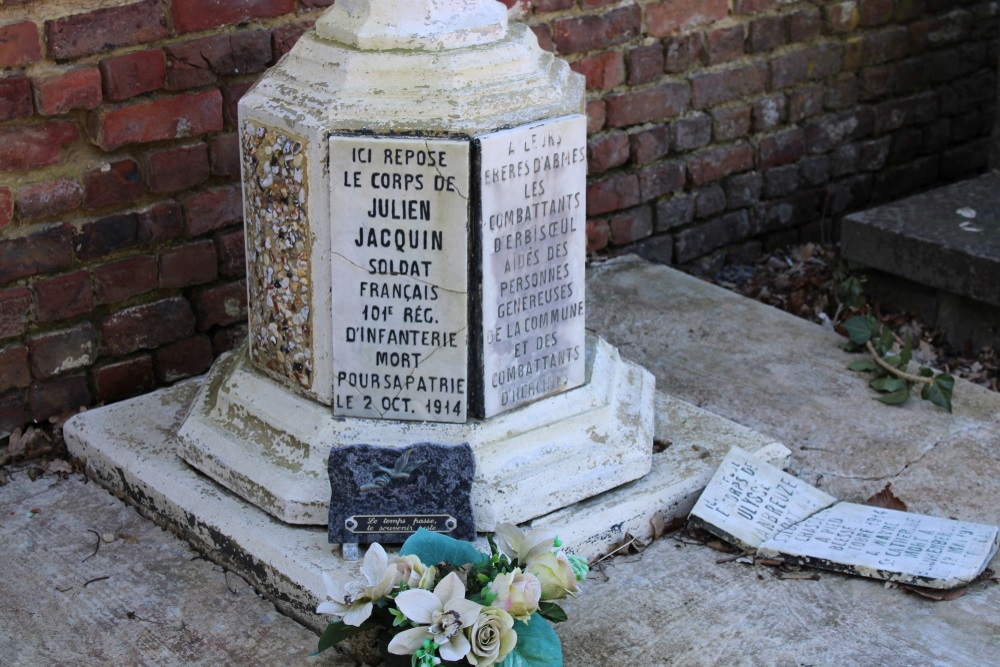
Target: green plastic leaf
pixel 897 397
pixel 337 632
pixel 862 365
pixel 860 329
pixel 888 384
pixel 886 340
pixel 893 360
pixel 550 611
pixel 940 391
pixel 537 645
pixel 432 548
pixel 926 373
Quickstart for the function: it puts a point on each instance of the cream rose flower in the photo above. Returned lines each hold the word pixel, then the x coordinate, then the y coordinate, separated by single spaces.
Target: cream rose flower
pixel 555 574
pixel 517 593
pixel 351 599
pixel 523 546
pixel 416 574
pixel 492 637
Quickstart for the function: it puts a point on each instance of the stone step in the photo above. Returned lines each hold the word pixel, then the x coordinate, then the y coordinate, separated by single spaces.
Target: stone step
pixel 938 254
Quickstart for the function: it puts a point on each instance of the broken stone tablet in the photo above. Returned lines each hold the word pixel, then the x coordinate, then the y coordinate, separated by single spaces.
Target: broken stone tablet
pixel 888 544
pixel 749 500
pixel 385 494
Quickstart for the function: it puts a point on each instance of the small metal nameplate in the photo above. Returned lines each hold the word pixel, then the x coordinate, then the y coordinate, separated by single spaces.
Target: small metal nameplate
pixel 376 524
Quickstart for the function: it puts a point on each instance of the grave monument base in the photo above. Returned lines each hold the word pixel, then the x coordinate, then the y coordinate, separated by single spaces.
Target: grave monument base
pixel 131 449
pixel 271 446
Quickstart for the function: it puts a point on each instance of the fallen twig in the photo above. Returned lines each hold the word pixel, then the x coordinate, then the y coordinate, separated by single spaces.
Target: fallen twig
pixel 97 547
pixel 95 580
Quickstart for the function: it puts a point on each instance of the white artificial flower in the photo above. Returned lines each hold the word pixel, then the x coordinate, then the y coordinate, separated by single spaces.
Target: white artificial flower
pixel 352 599
pixel 523 546
pixel 517 593
pixel 440 616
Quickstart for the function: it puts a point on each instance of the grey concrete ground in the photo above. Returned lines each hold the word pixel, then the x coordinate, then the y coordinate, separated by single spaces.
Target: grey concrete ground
pixel 673 604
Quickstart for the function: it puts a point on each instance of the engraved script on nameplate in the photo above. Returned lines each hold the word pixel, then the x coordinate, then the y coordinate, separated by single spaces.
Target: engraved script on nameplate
pixel 533 183
pixel 400 216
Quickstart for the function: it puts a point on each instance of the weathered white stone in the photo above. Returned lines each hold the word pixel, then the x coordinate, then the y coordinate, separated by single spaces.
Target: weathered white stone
pixel 270 445
pixel 749 501
pixel 532 184
pixel 888 544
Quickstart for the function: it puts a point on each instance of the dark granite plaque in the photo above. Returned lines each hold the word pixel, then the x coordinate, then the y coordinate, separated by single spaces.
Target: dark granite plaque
pixel 385 494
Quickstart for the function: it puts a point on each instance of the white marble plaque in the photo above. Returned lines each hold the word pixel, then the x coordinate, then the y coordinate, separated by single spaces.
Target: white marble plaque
pixel 400 226
pixel 533 182
pixel 887 544
pixel 749 501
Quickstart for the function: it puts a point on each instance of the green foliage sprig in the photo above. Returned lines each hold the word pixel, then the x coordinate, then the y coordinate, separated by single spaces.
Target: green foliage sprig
pixel 888 365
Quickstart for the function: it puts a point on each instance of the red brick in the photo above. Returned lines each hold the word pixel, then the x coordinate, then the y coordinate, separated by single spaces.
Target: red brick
pixel 231 94
pixel 163 222
pixel 769 112
pixel 645 64
pixel 15 307
pixel 612 193
pixel 58 396
pixel 805 102
pixel 781 181
pixel 213 209
pixel 632 225
pixel 164 118
pixel 725 44
pixel 122 280
pixel 58 352
pixel 703 239
pixel 105 236
pixel 596 116
pixel 194 15
pixel 112 184
pixel 327 3
pixel 752 6
pixel 63 297
pixel 709 200
pixel 767 33
pixel 6 207
pixel 105 29
pixel 805 25
pixel 119 380
pixel 826 133
pixel 730 123
pixel 19 44
pixel 650 145
pixel 47 199
pixel 177 168
pixel 224 155
pixel 60 93
pixel 283 38
pixel 132 74
pixel 221 305
pixel 875 12
pixel 709 89
pixel 229 338
pixel 13 412
pixel 14 371
pixel 183 359
pixel 15 98
pixel 674 212
pixel 666 100
pixel 552 5
pixel 593 32
pixel 669 16
pixel 34 146
pixel 543 33
pixel 602 71
pixel 660 179
pixel 809 64
pixel 716 163
pixel 202 62
pixel 876 48
pixel 43 251
pixel 147 326
pixel 692 132
pixel 191 264
pixel 598 235
pixel 937 31
pixel 607 152
pixel 842 17
pixel 231 250
pixel 681 52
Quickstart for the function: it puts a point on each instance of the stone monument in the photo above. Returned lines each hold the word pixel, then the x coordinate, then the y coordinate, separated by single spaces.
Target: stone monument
pixel 414 188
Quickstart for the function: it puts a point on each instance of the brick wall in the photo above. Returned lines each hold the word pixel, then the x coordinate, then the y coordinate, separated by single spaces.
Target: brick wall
pixel 716 127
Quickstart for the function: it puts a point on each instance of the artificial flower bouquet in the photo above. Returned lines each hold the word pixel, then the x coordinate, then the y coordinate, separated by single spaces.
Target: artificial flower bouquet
pixel 442 600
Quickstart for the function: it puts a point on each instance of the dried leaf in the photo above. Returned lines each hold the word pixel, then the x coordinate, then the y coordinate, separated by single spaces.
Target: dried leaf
pixel 128 538
pixel 887 500
pixel 719 545
pixel 937 594
pixel 59 466
pixel 804 576
pixel 658 524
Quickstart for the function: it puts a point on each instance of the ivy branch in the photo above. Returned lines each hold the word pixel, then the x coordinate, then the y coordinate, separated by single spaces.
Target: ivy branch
pixel 891 379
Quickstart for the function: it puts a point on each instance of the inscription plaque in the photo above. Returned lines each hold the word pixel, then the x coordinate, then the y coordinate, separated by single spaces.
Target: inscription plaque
pixel 749 501
pixel 888 544
pixel 385 494
pixel 533 227
pixel 400 224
